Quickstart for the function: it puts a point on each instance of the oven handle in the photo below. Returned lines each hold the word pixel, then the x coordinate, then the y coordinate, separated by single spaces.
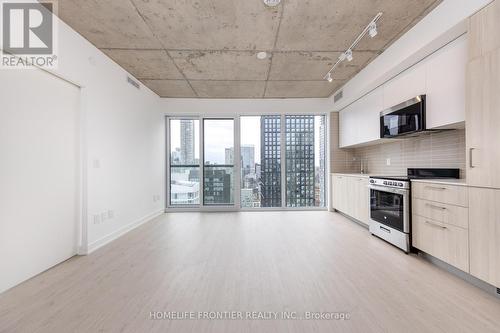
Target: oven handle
pixel 388 189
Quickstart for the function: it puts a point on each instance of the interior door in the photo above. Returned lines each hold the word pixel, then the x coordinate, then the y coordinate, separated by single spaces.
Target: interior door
pixel 38 173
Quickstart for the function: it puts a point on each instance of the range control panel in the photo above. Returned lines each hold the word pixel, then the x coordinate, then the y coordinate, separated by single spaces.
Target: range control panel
pixel 390 183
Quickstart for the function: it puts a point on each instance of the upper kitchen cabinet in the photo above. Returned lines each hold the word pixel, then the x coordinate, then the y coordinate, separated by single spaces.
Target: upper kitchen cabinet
pixel 483 102
pixel 440 76
pixel 405 86
pixel 445 73
pixel 484 28
pixel 359 122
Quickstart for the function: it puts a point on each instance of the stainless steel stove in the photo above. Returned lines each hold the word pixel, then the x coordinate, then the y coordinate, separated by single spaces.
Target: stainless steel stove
pixel 390 213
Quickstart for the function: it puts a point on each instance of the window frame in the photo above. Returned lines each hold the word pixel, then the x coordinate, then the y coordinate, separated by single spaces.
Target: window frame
pixel 236 206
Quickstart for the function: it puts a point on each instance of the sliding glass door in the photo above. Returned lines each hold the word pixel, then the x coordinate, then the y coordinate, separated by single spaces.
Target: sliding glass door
pixel 184 162
pixel 218 165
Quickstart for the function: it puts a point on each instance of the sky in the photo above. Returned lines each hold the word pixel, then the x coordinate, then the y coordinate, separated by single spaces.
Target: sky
pixel 219 134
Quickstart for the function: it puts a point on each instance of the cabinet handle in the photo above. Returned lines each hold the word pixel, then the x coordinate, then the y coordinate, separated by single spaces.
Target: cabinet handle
pixel 434 206
pixel 471 164
pixel 436 225
pixel 436 188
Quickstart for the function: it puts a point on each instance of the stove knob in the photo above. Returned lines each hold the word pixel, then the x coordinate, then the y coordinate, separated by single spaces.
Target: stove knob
pixel 400 184
pixel 385 183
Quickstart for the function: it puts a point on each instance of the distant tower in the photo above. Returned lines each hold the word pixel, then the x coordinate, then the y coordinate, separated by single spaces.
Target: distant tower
pixel 247 159
pixel 300 191
pixel 187 141
pixel 270 159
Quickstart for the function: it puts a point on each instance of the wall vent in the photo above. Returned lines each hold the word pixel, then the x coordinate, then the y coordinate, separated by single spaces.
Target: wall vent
pixel 498 291
pixel 338 96
pixel 133 82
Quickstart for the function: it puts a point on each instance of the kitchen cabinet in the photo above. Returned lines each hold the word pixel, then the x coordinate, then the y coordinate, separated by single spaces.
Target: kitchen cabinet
pixel 441 76
pixel 446 242
pixel 351 196
pixel 484 234
pixel 483 120
pixel 359 122
pixel 445 73
pixel 440 224
pixel 405 86
pixel 483 31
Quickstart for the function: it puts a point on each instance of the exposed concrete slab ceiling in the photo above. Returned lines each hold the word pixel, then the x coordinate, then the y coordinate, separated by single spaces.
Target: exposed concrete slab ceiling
pixel 208 48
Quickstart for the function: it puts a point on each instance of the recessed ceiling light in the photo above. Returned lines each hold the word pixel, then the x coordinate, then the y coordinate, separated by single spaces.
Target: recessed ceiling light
pixel 271 3
pixel 262 55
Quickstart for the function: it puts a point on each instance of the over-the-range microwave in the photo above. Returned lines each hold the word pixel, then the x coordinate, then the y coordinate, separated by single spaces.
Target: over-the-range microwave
pixel 403 119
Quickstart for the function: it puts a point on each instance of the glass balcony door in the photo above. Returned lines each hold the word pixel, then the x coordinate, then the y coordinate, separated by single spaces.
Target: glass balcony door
pixel 218 162
pixel 184 162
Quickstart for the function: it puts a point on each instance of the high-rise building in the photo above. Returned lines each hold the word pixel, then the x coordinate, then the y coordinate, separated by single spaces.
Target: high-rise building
pixel 187 142
pixel 229 156
pixel 322 163
pixel 217 187
pixel 247 159
pixel 300 173
pixel 270 168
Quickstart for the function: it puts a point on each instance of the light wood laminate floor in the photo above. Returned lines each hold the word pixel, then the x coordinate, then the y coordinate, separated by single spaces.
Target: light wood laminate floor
pixel 248 261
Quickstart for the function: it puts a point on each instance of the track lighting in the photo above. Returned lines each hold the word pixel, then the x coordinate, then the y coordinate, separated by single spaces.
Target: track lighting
pixel 329 77
pixel 370 29
pixel 348 55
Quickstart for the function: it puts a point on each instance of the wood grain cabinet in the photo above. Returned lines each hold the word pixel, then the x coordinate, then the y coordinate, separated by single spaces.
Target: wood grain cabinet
pixel 440 224
pixel 484 221
pixel 483 98
pixel 350 195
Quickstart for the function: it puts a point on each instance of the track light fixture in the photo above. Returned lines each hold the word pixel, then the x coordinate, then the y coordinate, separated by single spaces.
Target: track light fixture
pixel 348 55
pixel 370 29
pixel 329 77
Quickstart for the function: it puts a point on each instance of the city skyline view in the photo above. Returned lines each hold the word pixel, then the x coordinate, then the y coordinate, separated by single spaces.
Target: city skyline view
pixel 260 147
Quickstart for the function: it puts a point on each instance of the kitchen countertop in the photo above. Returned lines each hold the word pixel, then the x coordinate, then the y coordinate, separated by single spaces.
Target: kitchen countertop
pixel 450 181
pixel 352 174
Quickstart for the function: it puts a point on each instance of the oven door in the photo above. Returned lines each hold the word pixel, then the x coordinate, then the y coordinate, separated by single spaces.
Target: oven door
pixel 390 206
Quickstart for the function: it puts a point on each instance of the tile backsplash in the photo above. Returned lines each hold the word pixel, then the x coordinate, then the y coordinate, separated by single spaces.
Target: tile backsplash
pixel 445 149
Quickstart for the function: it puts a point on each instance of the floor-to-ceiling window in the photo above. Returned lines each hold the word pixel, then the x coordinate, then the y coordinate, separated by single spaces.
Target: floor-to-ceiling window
pixel 260 161
pixel 281 161
pixel 218 165
pixel 305 157
pixel 184 162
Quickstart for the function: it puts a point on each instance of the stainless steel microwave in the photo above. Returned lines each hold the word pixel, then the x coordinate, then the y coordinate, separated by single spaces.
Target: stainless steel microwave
pixel 403 119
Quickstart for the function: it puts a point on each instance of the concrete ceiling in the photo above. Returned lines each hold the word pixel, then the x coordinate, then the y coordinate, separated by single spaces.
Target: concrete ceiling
pixel 208 48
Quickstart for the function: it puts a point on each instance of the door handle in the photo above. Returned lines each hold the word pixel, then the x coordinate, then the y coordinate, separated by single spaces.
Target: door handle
pixel 471 164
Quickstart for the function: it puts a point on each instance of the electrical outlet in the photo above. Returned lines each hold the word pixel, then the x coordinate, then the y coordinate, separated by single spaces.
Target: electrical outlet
pixel 111 214
pixel 388 161
pixel 97 219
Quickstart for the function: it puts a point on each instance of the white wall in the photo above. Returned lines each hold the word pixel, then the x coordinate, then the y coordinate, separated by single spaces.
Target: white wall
pixel 123 131
pixel 39 145
pixel 122 141
pixel 173 106
pixel 445 23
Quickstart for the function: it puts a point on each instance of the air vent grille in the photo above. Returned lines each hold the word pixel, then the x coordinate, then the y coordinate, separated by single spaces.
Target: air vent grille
pixel 498 291
pixel 338 96
pixel 133 82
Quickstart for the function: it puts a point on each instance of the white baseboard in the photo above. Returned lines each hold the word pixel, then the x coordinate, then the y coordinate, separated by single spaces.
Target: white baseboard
pixel 120 232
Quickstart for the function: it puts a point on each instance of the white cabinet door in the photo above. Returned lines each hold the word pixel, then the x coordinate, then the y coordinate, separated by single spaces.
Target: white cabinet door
pixel 369 117
pixel 359 122
pixel 405 86
pixel 446 71
pixel 348 126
